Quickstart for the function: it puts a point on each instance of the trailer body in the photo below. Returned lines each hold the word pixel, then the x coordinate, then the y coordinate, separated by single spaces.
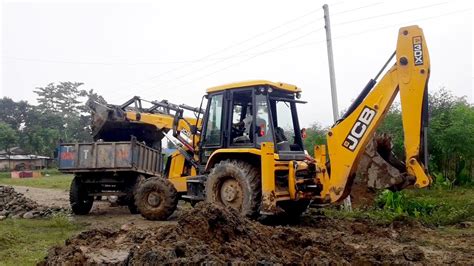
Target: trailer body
pixel 120 156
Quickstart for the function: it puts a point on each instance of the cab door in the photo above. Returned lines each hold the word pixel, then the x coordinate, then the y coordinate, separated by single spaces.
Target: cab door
pixel 213 124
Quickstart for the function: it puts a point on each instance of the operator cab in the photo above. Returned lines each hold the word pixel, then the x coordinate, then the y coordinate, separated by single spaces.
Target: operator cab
pixel 243 115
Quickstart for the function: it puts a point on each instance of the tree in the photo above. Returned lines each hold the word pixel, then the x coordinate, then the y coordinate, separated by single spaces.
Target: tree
pixel 13 113
pixel 61 98
pixel 8 136
pixel 315 135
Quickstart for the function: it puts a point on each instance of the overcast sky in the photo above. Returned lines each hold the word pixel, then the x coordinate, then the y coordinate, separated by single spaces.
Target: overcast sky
pixel 176 49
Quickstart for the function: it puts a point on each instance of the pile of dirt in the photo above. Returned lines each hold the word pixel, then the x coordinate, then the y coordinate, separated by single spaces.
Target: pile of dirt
pixel 210 234
pixel 16 205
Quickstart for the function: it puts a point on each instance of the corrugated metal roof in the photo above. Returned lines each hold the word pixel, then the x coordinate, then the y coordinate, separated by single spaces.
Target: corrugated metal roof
pixel 23 157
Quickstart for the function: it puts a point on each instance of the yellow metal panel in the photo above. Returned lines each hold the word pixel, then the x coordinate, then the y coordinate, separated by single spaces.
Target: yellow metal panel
pixel 413 75
pixel 268 178
pixel 177 165
pixel 179 183
pixel 162 121
pixel 291 180
pixel 219 152
pixel 277 85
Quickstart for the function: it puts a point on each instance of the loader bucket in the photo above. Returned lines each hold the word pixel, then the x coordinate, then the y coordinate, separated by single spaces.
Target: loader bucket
pixel 109 123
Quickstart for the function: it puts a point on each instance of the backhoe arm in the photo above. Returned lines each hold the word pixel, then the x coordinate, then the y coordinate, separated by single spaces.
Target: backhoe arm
pixel 348 138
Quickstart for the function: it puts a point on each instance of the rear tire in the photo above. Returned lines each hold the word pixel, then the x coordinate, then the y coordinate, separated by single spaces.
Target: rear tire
pixel 156 198
pixel 131 192
pixel 235 184
pixel 81 203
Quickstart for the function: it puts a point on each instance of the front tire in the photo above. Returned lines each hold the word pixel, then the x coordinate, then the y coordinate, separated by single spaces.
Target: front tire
pixel 156 198
pixel 235 184
pixel 81 203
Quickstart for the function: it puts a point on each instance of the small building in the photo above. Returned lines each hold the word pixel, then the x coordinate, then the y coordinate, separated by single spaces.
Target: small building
pixel 16 159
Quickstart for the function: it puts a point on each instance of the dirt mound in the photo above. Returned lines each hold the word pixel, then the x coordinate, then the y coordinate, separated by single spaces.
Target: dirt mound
pixel 16 205
pixel 210 234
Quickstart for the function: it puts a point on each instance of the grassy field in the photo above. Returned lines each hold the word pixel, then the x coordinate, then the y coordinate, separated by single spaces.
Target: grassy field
pixel 53 180
pixel 431 207
pixel 26 242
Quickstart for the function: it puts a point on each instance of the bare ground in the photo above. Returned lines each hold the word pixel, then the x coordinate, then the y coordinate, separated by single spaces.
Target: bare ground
pixel 103 213
pixel 209 234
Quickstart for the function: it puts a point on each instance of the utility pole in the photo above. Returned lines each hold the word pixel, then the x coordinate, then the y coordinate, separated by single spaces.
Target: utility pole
pixel 332 74
pixel 332 79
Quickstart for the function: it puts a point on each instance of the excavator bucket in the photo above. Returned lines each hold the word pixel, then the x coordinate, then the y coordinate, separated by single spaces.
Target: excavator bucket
pixel 379 168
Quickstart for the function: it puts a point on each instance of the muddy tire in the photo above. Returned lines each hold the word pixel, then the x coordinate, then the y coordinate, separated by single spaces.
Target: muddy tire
pixel 156 198
pixel 81 203
pixel 235 184
pixel 131 192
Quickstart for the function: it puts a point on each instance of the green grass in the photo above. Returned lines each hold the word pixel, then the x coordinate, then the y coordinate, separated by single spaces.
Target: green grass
pixel 54 180
pixel 26 242
pixel 432 207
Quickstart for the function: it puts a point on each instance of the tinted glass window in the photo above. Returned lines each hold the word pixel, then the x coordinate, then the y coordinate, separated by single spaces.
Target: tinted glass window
pixel 214 122
pixel 241 118
pixel 262 123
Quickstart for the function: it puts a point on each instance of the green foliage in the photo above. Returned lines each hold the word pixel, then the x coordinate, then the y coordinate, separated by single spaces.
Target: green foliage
pixel 315 135
pixel 61 115
pixel 26 241
pixel 400 204
pixel 13 113
pixel 432 207
pixel 450 136
pixel 8 136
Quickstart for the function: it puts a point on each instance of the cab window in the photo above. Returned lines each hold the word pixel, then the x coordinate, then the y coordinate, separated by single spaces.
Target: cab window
pixel 241 128
pixel 214 122
pixel 262 122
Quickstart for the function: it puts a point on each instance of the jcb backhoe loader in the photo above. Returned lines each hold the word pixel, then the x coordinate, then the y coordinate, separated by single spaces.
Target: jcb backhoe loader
pixel 247 151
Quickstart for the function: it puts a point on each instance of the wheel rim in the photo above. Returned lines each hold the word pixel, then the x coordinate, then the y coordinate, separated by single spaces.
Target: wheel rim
pixel 154 199
pixel 230 194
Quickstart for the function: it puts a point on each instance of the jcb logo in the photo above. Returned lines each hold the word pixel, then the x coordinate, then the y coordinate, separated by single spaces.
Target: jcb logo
pixel 418 50
pixel 360 127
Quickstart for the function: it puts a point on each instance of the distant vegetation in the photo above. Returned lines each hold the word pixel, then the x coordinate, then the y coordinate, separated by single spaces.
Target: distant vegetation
pixel 60 115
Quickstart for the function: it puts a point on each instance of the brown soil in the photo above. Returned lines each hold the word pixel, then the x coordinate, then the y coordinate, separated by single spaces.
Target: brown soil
pixel 209 234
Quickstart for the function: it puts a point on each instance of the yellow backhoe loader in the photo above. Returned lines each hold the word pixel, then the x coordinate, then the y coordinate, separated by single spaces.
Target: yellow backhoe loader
pixel 245 149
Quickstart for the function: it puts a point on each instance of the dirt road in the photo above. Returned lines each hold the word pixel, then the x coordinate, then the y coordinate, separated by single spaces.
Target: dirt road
pixel 103 214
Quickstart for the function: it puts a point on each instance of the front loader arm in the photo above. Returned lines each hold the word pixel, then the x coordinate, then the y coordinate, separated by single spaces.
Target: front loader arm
pixel 348 138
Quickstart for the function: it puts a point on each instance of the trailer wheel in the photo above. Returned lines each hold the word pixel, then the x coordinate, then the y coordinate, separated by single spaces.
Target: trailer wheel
pixel 131 192
pixel 81 203
pixel 235 184
pixel 156 198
